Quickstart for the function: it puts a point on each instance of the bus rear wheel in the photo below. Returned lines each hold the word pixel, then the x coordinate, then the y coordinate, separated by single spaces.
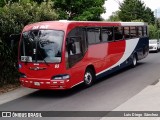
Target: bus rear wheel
pixel 134 61
pixel 89 77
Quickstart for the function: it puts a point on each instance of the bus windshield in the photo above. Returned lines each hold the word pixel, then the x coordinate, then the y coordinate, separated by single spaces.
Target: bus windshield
pixel 41 46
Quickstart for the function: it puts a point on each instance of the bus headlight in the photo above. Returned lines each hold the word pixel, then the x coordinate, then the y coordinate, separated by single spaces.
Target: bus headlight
pixel 61 77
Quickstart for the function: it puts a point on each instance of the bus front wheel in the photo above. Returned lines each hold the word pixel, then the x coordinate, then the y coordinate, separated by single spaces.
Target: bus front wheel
pixel 89 77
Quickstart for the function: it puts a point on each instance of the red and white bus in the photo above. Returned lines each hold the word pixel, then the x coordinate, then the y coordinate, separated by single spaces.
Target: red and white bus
pixel 63 54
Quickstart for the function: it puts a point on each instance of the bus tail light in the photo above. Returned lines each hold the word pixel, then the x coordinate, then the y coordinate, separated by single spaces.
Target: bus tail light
pixel 61 77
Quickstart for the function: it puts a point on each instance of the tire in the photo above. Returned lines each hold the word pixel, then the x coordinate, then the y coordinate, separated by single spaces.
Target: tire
pixel 89 77
pixel 134 61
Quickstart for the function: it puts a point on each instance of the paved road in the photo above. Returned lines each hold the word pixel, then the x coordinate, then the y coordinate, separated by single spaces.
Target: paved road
pixel 107 94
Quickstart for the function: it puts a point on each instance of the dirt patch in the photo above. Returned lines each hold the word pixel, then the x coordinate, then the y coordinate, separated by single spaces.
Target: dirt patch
pixel 9 87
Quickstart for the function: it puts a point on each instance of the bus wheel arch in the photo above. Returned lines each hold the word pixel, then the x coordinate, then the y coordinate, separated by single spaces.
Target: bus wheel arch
pixel 89 76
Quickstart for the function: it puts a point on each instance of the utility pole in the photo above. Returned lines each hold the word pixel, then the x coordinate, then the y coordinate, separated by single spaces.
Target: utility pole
pixel 155 23
pixel 155 17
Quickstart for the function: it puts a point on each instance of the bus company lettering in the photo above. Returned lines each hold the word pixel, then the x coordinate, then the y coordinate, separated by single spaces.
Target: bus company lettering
pixel 40 27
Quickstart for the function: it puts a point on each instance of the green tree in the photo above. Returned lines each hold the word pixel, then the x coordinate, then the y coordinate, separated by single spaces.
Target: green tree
pixel 13 17
pixel 4 2
pixel 157 23
pixel 114 16
pixel 79 9
pixel 135 9
pixel 148 16
pixel 154 32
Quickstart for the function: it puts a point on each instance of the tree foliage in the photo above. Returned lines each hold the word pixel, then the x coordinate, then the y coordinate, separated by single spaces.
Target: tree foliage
pixel 79 9
pixel 154 32
pixel 114 16
pixel 135 9
pixel 13 17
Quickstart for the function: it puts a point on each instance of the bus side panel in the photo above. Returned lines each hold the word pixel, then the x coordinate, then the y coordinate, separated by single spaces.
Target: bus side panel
pixel 115 50
pixel 95 56
pixel 129 49
pixel 110 57
pixel 101 56
pixel 142 48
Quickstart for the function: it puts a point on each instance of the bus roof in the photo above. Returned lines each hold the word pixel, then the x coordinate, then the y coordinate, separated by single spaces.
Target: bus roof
pixel 63 24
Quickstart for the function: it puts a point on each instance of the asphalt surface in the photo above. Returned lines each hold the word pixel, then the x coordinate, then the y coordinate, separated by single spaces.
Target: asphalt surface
pixel 107 94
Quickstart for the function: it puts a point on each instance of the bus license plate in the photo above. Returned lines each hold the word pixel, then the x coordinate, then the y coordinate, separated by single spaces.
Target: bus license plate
pixel 37 83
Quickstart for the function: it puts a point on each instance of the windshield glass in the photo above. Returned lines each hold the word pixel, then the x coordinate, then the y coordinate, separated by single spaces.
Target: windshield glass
pixel 41 46
pixel 152 41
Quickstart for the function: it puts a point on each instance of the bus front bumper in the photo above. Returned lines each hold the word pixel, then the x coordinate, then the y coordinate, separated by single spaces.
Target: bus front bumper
pixel 45 83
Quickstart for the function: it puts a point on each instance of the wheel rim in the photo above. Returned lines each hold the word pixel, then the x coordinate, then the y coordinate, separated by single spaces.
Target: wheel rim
pixel 134 61
pixel 88 78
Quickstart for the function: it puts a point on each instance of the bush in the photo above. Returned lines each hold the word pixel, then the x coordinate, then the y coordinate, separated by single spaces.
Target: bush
pixel 8 74
pixel 13 17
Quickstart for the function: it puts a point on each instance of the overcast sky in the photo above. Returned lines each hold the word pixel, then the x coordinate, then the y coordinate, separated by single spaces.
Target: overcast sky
pixel 112 5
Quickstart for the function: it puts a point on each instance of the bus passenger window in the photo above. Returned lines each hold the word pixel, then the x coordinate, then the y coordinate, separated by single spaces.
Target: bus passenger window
pixel 140 31
pixel 97 35
pixel 133 32
pixel 107 34
pixel 104 35
pixel 126 32
pixel 145 31
pixel 118 33
pixel 93 35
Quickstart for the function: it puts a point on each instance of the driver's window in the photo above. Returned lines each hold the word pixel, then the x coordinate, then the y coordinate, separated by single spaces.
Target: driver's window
pixel 74 46
pixel 78 48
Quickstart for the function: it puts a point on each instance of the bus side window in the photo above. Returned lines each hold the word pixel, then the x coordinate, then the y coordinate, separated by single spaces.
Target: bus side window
pixel 140 31
pixel 145 30
pixel 97 35
pixel 118 33
pixel 133 32
pixel 94 35
pixel 126 32
pixel 104 35
pixel 84 39
pixel 107 34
